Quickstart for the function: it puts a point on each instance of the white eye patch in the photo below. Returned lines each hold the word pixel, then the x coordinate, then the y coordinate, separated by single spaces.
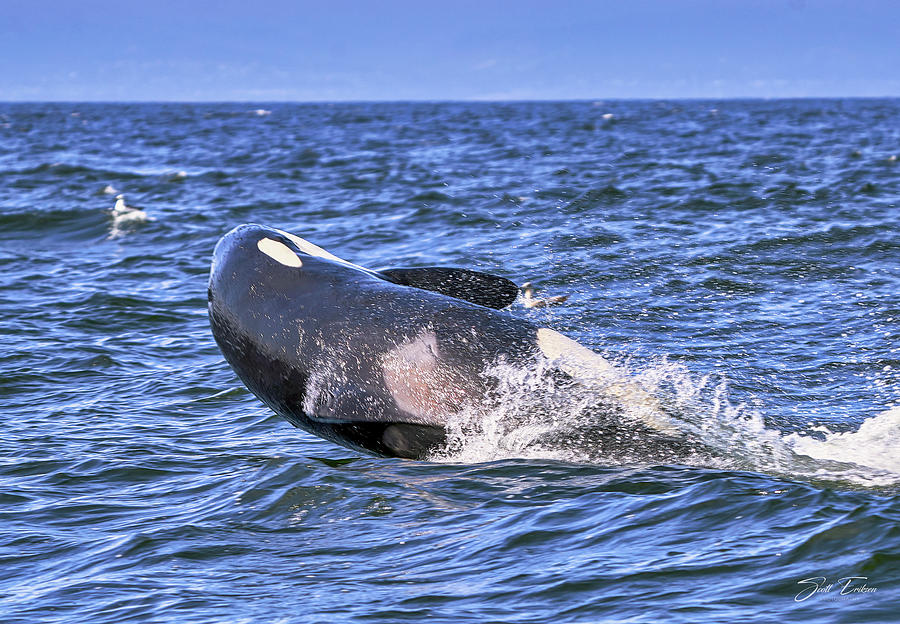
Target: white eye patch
pixel 314 250
pixel 279 252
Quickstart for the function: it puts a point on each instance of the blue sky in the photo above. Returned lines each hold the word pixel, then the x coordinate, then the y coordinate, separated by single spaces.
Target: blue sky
pixel 271 50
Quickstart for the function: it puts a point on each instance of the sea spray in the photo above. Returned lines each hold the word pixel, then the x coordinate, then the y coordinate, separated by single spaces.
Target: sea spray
pixel 588 419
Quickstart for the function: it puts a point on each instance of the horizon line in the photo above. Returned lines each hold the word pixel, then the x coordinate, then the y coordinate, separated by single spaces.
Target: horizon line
pixel 465 101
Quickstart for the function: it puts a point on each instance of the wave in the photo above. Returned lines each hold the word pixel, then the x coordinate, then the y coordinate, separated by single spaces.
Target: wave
pixel 54 170
pixel 66 224
pixel 65 169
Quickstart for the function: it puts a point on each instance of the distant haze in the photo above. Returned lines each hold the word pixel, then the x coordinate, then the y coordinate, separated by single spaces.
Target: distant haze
pixel 272 50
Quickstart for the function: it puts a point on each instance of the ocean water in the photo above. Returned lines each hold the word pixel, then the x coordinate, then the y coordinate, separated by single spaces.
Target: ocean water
pixel 738 260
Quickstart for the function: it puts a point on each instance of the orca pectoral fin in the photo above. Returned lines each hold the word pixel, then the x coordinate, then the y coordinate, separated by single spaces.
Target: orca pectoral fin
pixel 473 286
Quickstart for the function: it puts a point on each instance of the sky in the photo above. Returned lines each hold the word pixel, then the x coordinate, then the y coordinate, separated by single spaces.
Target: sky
pixel 338 50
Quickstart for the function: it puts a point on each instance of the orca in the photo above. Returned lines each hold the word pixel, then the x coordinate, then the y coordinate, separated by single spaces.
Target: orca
pixel 377 361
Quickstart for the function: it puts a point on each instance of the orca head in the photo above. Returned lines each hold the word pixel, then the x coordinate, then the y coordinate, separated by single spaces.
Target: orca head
pixel 259 262
pixel 264 284
pixel 264 248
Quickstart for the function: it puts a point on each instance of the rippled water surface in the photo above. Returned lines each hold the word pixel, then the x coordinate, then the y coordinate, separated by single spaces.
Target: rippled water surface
pixel 739 261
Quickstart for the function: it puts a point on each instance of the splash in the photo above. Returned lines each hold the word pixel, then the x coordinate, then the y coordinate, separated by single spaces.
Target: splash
pixel 873 445
pixel 615 414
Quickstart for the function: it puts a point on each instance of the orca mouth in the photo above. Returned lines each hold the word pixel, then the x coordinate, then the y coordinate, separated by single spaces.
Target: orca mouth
pixel 403 440
pixel 413 441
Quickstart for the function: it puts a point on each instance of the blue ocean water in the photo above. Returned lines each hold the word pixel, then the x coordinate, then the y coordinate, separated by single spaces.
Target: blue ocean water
pixel 738 260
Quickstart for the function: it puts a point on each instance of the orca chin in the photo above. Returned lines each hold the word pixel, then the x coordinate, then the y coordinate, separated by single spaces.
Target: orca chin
pixel 378 361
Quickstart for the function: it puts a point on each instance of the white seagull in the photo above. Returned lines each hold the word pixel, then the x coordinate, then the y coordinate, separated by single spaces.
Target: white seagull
pixel 123 216
pixel 122 213
pixel 530 302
